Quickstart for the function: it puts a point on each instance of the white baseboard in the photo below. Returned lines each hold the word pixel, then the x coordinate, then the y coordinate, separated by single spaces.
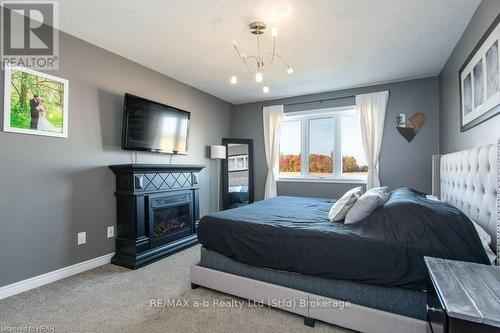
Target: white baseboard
pixel 40 280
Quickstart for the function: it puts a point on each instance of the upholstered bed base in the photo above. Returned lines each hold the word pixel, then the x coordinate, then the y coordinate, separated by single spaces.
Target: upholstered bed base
pixel 384 309
pixel 405 302
pixel 356 317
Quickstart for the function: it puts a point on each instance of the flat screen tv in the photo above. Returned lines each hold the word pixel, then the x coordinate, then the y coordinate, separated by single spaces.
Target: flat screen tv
pixel 154 127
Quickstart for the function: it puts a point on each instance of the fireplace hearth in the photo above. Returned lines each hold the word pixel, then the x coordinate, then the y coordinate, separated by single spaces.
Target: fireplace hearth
pixel 157 211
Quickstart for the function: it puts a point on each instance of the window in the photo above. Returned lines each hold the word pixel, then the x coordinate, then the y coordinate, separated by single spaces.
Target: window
pixel 322 144
pixel 290 144
pixel 353 156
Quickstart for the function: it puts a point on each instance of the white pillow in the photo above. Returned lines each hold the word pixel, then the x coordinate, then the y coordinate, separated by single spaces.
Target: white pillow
pixel 340 208
pixel 483 235
pixel 485 240
pixel 366 204
pixel 432 197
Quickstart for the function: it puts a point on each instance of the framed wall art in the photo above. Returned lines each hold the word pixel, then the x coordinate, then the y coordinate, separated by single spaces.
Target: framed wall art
pixel 35 103
pixel 480 80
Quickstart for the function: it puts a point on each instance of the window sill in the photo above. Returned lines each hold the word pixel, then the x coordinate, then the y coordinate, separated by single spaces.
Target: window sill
pixel 343 180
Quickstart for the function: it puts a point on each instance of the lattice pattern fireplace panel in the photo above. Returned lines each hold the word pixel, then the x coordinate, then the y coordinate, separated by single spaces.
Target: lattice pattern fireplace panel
pixel 163 180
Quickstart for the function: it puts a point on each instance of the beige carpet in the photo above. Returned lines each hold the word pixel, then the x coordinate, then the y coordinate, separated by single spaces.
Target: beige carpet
pixel 114 299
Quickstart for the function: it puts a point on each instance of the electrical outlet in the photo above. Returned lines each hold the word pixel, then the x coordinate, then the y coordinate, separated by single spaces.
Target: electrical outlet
pixel 111 231
pixel 82 238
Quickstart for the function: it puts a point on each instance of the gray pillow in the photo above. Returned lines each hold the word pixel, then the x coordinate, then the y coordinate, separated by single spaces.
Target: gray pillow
pixel 366 204
pixel 340 208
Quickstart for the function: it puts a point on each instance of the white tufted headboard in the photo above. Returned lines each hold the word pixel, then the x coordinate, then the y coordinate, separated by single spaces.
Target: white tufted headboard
pixel 470 181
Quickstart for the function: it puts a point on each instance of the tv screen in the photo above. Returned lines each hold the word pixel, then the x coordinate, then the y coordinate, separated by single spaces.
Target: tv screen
pixel 154 127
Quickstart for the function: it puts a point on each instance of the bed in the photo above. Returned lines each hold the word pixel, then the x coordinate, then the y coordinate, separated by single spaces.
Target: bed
pixel 294 253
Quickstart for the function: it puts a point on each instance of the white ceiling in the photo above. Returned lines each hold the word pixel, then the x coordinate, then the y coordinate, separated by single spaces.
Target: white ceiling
pixel 331 44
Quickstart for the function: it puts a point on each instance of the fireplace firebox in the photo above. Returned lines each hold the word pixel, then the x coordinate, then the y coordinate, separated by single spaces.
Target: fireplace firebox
pixel 170 217
pixel 157 211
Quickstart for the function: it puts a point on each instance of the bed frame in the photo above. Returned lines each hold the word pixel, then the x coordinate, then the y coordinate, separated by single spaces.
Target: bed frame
pixel 467 179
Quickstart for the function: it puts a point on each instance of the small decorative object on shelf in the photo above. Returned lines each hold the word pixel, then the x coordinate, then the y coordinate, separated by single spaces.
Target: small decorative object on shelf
pixel 401 120
pixel 409 128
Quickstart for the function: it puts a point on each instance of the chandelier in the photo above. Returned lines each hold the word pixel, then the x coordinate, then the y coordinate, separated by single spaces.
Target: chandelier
pixel 255 64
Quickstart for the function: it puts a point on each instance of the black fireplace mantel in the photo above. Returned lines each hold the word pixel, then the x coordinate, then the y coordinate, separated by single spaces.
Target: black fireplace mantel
pixel 120 168
pixel 139 187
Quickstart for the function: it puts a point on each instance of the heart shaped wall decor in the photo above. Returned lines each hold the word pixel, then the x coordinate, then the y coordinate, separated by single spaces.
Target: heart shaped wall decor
pixel 410 128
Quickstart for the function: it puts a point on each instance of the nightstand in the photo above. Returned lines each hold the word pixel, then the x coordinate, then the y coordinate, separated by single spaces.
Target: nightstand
pixel 463 297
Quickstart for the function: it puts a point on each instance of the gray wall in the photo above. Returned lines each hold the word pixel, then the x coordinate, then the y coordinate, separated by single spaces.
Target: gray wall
pixel 53 188
pixel 315 190
pixel 488 132
pixel 401 163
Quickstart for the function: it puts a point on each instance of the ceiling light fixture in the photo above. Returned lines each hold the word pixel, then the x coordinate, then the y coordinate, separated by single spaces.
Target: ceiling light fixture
pixel 233 80
pixel 258 77
pixel 265 89
pixel 255 64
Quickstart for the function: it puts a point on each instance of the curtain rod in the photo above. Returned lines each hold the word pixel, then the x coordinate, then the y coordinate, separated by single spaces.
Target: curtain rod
pixel 324 100
pixel 321 100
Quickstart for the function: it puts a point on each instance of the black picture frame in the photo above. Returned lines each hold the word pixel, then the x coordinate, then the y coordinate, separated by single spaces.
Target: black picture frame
pixel 225 171
pixel 494 110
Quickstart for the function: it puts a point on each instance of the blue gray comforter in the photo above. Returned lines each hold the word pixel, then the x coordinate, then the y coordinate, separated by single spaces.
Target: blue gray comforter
pixel 387 248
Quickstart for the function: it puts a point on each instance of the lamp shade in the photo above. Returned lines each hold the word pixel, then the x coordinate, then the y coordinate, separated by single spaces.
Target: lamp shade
pixel 218 152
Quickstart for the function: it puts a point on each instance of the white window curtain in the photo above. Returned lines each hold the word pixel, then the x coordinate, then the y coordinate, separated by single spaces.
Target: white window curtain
pixel 371 110
pixel 272 116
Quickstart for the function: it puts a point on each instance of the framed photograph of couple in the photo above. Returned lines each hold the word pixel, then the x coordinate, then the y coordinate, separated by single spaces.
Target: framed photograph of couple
pixel 35 103
pixel 480 80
